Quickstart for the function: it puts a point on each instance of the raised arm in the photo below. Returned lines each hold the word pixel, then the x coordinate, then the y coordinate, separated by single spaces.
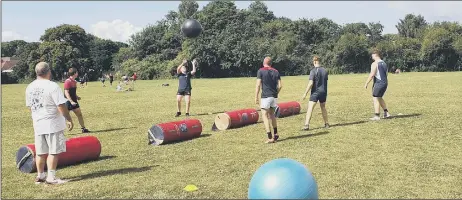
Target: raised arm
pixel 194 64
pixel 178 69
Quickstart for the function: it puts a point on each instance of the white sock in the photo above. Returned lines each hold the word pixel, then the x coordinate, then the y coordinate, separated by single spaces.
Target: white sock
pixel 51 174
pixel 42 175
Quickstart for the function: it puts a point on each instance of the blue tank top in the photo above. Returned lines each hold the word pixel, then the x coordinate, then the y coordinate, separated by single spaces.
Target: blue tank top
pixel 381 75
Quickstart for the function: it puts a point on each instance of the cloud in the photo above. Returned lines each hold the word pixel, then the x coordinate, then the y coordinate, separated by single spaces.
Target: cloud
pixel 11 35
pixel 434 10
pixel 117 30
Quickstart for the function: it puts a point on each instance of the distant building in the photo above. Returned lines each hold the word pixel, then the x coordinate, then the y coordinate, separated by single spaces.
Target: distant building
pixel 8 64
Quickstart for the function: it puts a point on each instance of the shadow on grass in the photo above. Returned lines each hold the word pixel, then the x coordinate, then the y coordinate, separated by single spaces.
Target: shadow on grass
pixel 203 135
pixel 110 173
pixel 102 131
pixel 405 116
pixel 111 129
pixel 303 136
pixel 213 113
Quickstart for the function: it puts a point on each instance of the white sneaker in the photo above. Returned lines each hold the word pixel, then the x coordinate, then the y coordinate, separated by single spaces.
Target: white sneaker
pixel 386 115
pixel 55 181
pixel 375 118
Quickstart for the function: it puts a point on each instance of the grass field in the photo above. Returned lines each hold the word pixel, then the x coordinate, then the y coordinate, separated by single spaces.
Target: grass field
pixel 418 155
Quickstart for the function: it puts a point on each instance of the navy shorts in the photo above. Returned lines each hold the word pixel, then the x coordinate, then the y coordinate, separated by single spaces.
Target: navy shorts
pixel 378 90
pixel 321 97
pixel 72 107
pixel 184 92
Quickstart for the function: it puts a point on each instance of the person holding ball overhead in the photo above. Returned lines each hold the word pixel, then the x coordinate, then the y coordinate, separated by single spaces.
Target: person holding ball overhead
pixel 184 86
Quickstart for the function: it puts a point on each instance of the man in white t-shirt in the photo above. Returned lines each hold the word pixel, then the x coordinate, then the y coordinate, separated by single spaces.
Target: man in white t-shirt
pixel 49 114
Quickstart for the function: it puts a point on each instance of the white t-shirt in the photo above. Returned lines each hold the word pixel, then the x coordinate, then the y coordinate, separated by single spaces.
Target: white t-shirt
pixel 43 98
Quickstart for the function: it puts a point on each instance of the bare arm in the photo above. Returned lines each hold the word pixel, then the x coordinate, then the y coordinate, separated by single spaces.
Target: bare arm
pixel 308 88
pixel 372 74
pixel 178 69
pixel 279 85
pixel 257 88
pixel 194 63
pixel 65 112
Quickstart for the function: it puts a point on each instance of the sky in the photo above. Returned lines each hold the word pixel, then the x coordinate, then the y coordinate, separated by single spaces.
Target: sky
pixel 117 20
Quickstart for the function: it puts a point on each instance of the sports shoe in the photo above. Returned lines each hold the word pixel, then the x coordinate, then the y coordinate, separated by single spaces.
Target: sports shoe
pixel 39 180
pixel 326 126
pixel 276 137
pixel 375 118
pixel 187 114
pixel 84 130
pixel 178 114
pixel 386 115
pixel 305 128
pixel 55 181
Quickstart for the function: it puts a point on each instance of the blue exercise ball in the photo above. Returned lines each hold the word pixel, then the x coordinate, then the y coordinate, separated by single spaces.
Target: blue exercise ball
pixel 283 179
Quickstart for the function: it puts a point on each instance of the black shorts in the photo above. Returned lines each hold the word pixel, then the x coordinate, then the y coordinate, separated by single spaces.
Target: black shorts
pixel 184 92
pixel 378 90
pixel 72 107
pixel 321 97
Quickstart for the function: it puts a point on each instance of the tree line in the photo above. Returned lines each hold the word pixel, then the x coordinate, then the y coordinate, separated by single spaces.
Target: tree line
pixel 234 42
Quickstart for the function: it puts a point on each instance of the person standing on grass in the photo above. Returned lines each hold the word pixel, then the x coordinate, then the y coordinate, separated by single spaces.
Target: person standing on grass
pixel 70 92
pixel 269 80
pixel 103 80
pixel 49 114
pixel 318 86
pixel 379 71
pixel 184 86
pixel 111 78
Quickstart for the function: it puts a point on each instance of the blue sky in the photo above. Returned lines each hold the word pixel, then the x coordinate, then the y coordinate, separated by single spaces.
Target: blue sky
pixel 117 20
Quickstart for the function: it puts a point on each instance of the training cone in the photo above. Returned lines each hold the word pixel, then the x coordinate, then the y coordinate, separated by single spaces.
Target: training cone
pixel 190 188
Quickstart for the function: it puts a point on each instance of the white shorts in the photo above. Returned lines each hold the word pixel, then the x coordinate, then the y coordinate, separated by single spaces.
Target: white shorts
pixel 267 103
pixel 53 143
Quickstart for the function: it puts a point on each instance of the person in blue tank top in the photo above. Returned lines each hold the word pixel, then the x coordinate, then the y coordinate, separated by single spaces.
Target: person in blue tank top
pixel 379 72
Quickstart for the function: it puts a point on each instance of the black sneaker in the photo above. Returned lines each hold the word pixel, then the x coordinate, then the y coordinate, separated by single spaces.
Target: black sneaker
pixel 178 114
pixel 84 130
pixel 276 137
pixel 187 114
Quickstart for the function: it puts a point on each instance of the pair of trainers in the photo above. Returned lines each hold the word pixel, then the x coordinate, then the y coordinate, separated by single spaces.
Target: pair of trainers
pixel 273 140
pixel 307 127
pixel 179 114
pixel 385 116
pixel 51 181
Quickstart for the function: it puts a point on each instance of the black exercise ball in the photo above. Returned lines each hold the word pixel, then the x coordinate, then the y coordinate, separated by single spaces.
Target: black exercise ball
pixel 191 28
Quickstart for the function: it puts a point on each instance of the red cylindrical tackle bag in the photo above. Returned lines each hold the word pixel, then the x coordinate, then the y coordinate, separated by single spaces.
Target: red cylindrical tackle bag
pixel 78 149
pixel 236 119
pixel 174 131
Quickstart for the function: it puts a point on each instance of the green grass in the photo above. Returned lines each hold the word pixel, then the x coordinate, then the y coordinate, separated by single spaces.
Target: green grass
pixel 410 157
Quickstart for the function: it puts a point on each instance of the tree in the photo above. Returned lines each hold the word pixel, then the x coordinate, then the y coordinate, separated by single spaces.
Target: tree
pixel 411 26
pixel 352 53
pixel 9 49
pixel 437 52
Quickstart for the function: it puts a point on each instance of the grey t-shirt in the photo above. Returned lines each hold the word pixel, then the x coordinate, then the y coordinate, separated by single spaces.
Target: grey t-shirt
pixel 185 81
pixel 319 76
pixel 269 79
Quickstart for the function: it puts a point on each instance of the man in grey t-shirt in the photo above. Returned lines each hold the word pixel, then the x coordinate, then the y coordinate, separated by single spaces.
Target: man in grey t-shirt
pixel 318 87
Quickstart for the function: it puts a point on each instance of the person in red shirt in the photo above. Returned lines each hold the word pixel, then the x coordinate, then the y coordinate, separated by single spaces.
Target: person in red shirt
pixel 70 92
pixel 134 76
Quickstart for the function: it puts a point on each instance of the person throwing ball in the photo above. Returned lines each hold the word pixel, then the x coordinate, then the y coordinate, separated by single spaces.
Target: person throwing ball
pixel 184 87
pixel 318 87
pixel 70 92
pixel 269 80
pixel 378 73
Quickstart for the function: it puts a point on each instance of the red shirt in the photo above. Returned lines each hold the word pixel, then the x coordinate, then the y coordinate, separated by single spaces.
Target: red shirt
pixel 71 85
pixel 134 77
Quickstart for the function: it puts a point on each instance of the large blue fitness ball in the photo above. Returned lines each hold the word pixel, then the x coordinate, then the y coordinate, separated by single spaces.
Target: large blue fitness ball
pixel 283 179
pixel 191 28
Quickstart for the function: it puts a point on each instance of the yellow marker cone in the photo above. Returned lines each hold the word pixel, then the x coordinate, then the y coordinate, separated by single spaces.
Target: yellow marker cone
pixel 190 188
